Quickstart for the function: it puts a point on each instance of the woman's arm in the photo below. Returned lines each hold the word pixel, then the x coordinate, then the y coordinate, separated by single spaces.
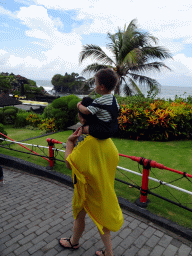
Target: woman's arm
pixel 71 144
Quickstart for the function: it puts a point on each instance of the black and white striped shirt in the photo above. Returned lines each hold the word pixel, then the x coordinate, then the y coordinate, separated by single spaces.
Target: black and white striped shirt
pixel 102 114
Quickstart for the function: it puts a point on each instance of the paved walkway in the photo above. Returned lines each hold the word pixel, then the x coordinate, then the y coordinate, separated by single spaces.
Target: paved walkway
pixel 35 212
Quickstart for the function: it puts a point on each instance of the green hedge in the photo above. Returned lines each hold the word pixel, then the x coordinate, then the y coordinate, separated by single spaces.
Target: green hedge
pixel 63 110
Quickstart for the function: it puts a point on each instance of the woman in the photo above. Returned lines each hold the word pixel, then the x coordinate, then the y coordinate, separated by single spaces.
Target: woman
pixel 93 163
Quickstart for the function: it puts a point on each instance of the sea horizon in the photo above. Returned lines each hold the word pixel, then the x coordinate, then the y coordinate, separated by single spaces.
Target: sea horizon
pixel 166 92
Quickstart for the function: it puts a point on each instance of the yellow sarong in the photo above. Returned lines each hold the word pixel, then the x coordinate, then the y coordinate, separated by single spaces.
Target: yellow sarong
pixel 94 163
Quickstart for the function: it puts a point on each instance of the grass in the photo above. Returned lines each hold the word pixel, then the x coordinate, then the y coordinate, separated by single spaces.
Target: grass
pixel 174 154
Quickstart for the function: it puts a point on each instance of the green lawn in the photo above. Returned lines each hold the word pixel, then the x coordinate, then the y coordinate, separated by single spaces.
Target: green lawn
pixel 175 154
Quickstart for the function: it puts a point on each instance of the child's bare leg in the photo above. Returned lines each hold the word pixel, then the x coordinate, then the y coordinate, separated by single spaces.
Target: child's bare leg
pixel 106 238
pixel 86 129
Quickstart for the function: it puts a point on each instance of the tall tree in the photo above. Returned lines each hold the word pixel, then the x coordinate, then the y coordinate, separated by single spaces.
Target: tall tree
pixel 134 53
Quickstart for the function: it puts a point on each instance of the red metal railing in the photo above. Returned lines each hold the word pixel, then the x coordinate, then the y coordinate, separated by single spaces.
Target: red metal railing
pixel 24 147
pixel 147 164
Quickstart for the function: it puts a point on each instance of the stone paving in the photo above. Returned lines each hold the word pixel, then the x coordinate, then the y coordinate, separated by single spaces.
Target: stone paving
pixel 35 212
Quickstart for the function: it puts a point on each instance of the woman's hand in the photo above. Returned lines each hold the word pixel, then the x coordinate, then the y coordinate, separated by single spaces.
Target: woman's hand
pixel 71 143
pixel 73 137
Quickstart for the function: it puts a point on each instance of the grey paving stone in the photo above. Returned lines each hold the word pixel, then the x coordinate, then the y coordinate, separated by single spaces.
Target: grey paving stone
pixel 52 252
pixel 158 233
pixel 50 245
pixel 125 232
pixel 18 231
pixel 36 247
pixel 127 242
pixel 131 251
pixel 143 225
pixel 5 239
pixel 157 251
pixel 136 232
pixel 7 232
pixel 165 241
pixel 149 232
pixel 13 240
pixel 49 217
pixel 184 250
pixel 118 251
pixel 141 240
pixel 51 237
pixel 116 241
pixel 170 250
pixel 10 249
pixel 153 240
pixel 134 224
pixel 143 252
pixel 27 239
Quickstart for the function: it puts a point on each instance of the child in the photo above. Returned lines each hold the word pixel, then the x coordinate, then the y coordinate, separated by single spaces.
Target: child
pixel 104 110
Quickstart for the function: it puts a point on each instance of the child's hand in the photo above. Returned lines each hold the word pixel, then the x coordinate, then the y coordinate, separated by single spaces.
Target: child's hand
pixel 79 103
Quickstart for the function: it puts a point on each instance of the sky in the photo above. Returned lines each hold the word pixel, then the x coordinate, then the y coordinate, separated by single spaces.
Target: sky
pixel 41 38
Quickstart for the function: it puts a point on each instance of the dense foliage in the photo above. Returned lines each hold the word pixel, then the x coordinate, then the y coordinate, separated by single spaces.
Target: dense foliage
pixel 69 83
pixel 160 120
pixel 2 130
pixel 8 115
pixel 18 85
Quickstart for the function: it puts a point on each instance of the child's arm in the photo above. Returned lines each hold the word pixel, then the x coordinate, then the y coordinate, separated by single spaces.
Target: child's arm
pixel 83 109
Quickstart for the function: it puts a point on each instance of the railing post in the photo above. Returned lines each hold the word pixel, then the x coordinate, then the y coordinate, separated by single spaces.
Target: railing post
pixel 143 201
pixel 51 153
pixel 1 175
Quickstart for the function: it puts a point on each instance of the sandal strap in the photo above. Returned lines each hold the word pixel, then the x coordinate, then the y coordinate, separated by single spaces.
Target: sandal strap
pixel 69 240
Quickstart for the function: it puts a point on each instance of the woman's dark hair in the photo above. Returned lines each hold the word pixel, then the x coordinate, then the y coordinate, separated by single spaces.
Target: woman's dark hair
pixel 86 101
pixel 108 78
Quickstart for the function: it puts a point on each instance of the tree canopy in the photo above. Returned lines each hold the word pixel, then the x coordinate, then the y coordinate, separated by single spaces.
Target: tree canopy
pixel 69 83
pixel 134 53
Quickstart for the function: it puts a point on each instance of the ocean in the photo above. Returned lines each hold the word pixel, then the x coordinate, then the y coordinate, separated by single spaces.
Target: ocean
pixel 167 92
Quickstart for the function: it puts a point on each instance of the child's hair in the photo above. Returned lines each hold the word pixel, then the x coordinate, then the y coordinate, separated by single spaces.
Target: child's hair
pixel 108 78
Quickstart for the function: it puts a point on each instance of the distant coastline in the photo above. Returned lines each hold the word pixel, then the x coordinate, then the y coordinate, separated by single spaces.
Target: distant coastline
pixel 166 91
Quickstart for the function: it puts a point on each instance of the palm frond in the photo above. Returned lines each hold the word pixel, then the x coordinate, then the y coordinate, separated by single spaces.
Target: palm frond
pixel 95 67
pixel 153 66
pixel 155 52
pixel 135 86
pixel 144 80
pixel 126 89
pixel 90 82
pixel 95 52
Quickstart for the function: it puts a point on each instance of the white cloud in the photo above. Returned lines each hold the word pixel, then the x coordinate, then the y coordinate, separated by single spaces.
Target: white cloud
pixel 6 12
pixel 169 22
pixel 185 61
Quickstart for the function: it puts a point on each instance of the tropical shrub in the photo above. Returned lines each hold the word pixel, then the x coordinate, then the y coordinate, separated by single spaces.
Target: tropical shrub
pixel 1 116
pixel 34 119
pixel 157 120
pixel 9 115
pixel 21 119
pixel 2 130
pixel 63 110
pixel 48 125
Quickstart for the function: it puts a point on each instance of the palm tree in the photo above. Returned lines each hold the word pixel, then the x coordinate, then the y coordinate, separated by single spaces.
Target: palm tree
pixel 133 56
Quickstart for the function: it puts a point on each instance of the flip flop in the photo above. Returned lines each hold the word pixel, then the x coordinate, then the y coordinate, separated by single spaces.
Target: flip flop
pixel 101 253
pixel 72 246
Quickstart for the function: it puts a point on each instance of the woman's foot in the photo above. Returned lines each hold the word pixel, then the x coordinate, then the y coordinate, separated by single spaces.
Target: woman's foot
pixel 100 253
pixel 66 243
